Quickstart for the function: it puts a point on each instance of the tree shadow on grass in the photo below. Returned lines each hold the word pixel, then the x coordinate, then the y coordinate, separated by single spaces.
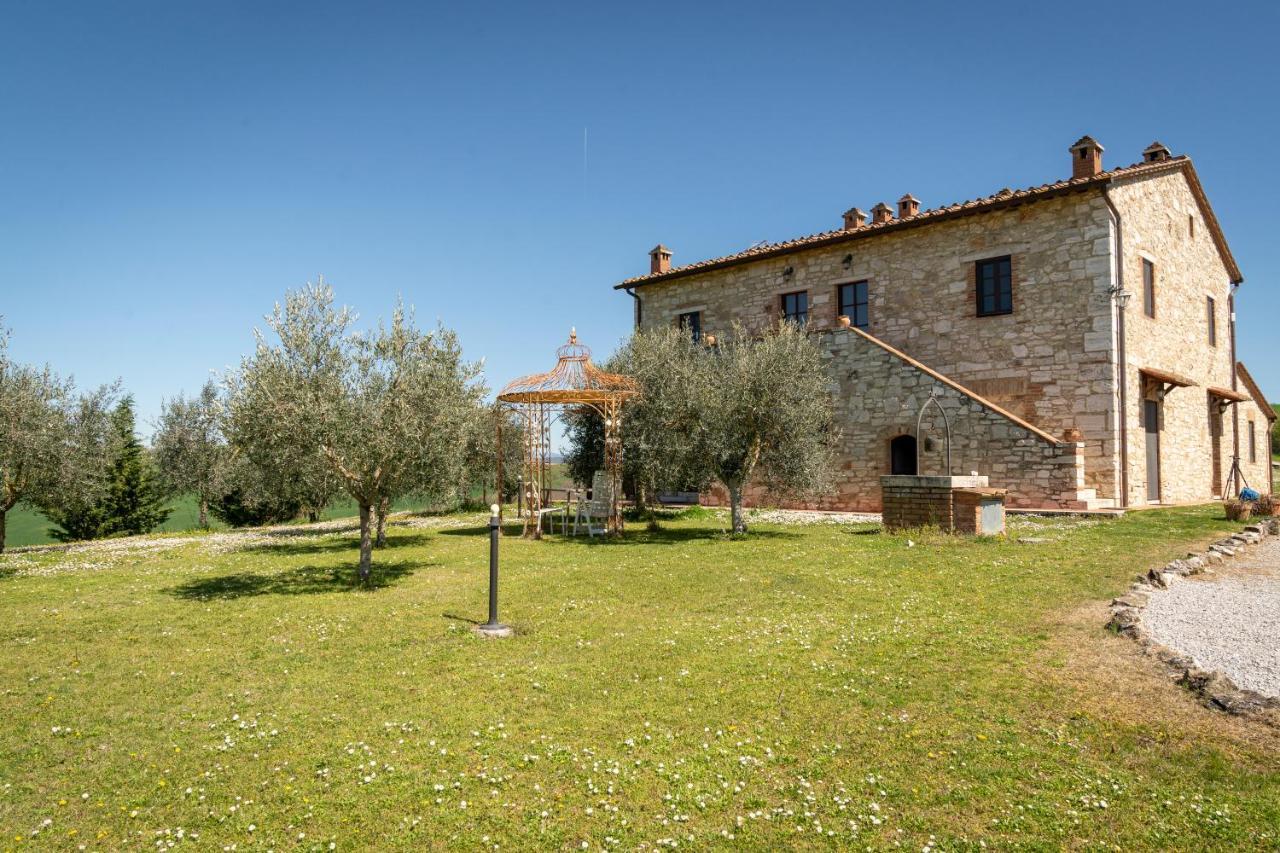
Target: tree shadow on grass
pixel 305 580
pixel 634 535
pixel 329 544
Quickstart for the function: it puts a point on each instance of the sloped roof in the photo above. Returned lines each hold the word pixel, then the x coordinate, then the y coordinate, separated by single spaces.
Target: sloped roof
pixel 1005 198
pixel 1258 397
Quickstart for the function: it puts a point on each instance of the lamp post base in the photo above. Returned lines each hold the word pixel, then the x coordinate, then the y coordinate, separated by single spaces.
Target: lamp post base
pixel 492 630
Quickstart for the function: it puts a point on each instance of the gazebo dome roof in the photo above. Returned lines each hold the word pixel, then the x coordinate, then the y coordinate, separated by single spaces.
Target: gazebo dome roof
pixel 574 379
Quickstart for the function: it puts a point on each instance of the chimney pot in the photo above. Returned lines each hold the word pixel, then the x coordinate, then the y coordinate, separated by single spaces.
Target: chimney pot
pixel 881 213
pixel 1086 157
pixel 854 217
pixel 1155 152
pixel 659 260
pixel 908 205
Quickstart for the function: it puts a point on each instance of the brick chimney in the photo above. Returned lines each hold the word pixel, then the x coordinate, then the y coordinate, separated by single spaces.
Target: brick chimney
pixel 1155 152
pixel 1086 158
pixel 908 205
pixel 881 213
pixel 854 217
pixel 659 260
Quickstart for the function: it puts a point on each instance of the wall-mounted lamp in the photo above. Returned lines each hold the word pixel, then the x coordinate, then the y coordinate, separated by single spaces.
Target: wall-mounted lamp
pixel 848 261
pixel 1120 295
pixel 788 272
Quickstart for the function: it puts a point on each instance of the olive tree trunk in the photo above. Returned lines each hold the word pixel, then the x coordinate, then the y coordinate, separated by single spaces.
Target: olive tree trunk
pixel 3 513
pixel 204 513
pixel 366 542
pixel 384 506
pixel 735 509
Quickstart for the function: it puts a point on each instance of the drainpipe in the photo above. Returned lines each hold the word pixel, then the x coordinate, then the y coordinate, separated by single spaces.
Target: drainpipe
pixel 1235 408
pixel 632 293
pixel 1123 368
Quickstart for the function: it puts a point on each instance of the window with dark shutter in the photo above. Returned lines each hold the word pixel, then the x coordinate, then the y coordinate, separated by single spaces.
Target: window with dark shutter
pixel 691 322
pixel 994 278
pixel 1211 310
pixel 795 307
pixel 1148 288
pixel 853 303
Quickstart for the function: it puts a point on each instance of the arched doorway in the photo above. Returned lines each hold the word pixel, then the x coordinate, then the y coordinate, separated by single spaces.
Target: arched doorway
pixel 902 455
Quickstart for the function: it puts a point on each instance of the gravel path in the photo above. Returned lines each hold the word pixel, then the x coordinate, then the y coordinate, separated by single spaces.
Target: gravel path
pixel 1227 622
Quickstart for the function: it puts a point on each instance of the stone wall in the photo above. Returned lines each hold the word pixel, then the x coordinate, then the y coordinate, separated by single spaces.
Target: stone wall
pixel 1162 223
pixel 1049 362
pixel 1053 362
pixel 1257 472
pixel 877 395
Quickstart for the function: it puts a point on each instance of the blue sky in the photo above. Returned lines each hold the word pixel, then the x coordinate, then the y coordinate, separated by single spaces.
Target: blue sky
pixel 168 170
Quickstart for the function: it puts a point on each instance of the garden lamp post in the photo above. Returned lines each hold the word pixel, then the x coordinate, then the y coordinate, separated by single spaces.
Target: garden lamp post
pixel 493 628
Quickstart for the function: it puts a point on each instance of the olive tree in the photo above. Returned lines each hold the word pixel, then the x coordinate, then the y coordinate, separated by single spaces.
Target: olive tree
pixel 80 500
pixel 32 431
pixel 764 414
pixel 752 409
pixel 657 426
pixel 384 409
pixel 480 464
pixel 189 446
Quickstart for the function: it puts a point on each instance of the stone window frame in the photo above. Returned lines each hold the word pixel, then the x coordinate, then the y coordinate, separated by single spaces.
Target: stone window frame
pixel 1253 442
pixel 866 280
pixel 696 325
pixel 1211 319
pixel 780 300
pixel 1148 287
pixel 973 264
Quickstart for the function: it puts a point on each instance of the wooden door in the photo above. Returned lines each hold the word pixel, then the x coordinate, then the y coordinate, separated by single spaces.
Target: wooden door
pixel 1151 423
pixel 1215 443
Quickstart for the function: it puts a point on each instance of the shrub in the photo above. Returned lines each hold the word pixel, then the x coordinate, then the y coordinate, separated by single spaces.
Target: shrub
pixel 1265 505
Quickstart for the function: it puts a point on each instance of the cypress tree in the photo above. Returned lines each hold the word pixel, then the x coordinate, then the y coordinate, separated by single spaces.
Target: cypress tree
pixel 130 498
pixel 136 498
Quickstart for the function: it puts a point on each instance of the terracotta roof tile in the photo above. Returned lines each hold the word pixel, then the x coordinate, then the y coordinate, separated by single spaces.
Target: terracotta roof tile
pixel 1004 198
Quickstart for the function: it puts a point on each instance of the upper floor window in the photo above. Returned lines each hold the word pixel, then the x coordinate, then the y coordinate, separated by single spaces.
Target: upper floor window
pixel 852 300
pixel 1148 288
pixel 1212 313
pixel 795 307
pixel 995 286
pixel 691 322
pixel 1253 443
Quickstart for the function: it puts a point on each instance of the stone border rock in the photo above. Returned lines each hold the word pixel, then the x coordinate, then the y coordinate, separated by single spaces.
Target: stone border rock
pixel 1215 688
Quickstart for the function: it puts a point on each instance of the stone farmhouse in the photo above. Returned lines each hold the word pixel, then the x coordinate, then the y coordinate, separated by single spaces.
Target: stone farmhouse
pixel 1079 336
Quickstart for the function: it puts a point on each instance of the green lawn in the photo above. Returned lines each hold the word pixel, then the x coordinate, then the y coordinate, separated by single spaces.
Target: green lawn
pixel 817 687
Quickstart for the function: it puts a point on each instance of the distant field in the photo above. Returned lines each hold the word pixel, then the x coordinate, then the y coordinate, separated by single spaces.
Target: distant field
pixel 27 526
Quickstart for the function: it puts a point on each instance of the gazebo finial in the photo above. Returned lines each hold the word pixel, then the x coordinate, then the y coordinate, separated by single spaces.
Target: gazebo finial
pixel 573 334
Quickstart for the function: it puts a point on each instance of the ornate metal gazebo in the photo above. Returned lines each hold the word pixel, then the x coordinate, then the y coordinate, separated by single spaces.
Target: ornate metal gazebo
pixel 540 399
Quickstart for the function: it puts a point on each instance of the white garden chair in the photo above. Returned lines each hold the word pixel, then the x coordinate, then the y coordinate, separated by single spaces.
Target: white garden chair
pixel 597 508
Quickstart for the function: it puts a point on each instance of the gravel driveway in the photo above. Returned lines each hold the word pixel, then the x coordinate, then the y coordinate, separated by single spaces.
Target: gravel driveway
pixel 1228 622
